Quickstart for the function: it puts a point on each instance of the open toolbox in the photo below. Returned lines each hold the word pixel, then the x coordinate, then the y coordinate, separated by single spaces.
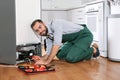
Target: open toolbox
pixel 37 68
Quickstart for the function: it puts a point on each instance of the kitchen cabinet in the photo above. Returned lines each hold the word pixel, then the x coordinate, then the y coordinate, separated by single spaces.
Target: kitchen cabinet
pixel 95 20
pixel 77 15
pixel 49 15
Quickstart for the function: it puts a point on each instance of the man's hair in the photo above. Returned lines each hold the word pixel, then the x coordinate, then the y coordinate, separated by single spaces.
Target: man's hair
pixel 37 20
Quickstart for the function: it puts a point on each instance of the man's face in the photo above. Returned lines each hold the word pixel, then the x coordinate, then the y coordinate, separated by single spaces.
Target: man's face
pixel 40 28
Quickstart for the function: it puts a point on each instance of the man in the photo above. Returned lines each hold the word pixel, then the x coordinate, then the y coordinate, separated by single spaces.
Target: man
pixel 66 40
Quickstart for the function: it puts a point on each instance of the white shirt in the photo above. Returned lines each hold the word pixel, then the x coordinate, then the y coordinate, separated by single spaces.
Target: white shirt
pixel 57 28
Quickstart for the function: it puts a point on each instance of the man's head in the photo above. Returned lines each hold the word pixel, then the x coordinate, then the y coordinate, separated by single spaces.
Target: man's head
pixel 39 27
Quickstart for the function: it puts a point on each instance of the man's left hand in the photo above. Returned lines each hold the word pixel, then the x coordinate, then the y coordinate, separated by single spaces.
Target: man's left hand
pixel 42 61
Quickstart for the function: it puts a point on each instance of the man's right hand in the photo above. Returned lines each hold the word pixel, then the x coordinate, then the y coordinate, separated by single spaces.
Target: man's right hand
pixel 36 58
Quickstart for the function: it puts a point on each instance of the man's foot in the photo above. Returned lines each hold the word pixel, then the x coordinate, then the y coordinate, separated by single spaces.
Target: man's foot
pixel 96 52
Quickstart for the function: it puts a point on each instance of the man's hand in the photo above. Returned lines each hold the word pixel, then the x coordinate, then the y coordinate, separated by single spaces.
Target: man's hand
pixel 36 58
pixel 42 61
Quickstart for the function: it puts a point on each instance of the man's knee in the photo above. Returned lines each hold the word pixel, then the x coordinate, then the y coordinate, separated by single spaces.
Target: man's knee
pixel 73 59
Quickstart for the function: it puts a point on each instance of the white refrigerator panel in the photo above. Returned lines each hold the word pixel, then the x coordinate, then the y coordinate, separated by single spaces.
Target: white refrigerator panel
pixel 114 38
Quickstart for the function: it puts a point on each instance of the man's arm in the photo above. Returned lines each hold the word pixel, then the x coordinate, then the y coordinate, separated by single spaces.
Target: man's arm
pixel 53 53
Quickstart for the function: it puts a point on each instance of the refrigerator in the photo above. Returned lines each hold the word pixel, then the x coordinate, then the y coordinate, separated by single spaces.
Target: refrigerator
pixel 7 32
pixel 114 37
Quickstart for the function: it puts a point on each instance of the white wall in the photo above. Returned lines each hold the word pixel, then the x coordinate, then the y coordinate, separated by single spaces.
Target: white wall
pixel 26 12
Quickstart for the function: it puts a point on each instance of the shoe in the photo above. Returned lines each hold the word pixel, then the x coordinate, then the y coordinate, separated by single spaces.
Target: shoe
pixel 98 52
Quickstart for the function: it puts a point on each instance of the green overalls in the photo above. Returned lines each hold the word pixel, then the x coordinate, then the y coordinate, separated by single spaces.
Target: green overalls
pixel 76 46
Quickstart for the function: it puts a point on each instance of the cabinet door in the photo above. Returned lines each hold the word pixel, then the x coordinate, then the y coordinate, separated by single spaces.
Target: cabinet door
pixel 77 15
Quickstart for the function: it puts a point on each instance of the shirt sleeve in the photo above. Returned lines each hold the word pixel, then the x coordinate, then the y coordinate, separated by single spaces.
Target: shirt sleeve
pixel 57 33
pixel 49 45
pixel 56 30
